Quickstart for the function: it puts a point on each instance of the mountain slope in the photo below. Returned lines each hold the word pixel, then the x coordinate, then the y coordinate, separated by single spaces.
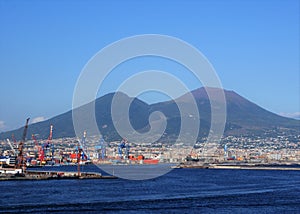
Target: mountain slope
pixel 243 117
pixel 63 123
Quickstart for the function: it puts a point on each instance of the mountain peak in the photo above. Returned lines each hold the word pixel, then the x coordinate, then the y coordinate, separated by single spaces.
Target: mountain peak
pixel 230 95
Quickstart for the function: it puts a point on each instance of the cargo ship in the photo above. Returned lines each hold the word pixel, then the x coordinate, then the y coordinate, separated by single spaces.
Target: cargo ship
pixel 150 161
pixel 142 160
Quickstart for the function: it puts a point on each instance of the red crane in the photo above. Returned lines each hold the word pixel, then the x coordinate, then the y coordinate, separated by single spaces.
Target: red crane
pixel 20 158
pixel 41 156
pixel 49 145
pixel 78 159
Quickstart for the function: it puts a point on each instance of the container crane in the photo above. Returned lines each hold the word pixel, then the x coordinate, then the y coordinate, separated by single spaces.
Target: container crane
pixel 101 148
pixel 79 153
pixel 20 158
pixel 12 158
pixel 49 146
pixel 123 145
pixel 41 155
pixel 50 142
pixel 225 152
pixel 83 147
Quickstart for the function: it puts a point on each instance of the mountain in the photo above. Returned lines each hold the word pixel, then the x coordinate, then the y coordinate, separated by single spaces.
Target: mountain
pixel 63 123
pixel 243 117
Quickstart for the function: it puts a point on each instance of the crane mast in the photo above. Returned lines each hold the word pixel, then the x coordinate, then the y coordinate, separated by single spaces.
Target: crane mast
pixel 83 146
pixel 123 145
pixel 50 134
pixel 49 147
pixel 79 152
pixel 52 145
pixel 41 156
pixel 20 158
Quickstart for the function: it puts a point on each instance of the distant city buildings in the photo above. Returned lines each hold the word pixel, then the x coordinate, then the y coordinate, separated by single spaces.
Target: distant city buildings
pixel 244 149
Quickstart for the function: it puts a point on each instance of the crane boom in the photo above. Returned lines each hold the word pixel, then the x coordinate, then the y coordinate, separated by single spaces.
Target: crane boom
pixel 14 140
pixel 41 156
pixel 50 134
pixel 11 146
pixel 50 141
pixel 25 130
pixel 20 159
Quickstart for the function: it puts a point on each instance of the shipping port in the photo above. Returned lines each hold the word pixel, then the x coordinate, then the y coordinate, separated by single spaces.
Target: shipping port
pixel 19 157
pixel 15 167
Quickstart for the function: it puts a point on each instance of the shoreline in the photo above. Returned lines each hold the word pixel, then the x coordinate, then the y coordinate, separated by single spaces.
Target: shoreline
pixel 243 167
pixel 254 167
pixel 53 175
pixel 63 175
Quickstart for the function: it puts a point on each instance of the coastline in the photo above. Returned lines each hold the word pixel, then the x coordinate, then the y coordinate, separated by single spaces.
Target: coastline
pixel 294 167
pixel 53 175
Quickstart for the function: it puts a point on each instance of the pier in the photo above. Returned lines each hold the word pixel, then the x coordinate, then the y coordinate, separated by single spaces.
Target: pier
pixel 50 175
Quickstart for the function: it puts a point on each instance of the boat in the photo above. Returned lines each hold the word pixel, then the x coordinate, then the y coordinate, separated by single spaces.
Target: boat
pixel 12 171
pixel 150 161
pixel 176 167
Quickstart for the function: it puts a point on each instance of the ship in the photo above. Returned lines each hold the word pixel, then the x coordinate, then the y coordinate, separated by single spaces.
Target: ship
pixel 150 161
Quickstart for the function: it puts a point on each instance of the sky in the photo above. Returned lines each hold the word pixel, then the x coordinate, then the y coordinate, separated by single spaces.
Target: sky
pixel 44 45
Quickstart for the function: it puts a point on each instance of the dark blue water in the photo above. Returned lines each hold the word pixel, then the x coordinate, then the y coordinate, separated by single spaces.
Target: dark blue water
pixel 180 191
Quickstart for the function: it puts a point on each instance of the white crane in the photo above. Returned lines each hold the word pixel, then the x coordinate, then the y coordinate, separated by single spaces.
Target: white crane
pixel 11 146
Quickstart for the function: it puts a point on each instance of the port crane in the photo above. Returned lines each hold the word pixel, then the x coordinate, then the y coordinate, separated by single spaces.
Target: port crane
pixel 81 147
pixel 79 153
pixel 101 148
pixel 123 145
pixel 41 154
pixel 20 158
pixel 14 147
pixel 14 140
pixel 50 142
pixel 11 146
pixel 84 154
pixel 48 147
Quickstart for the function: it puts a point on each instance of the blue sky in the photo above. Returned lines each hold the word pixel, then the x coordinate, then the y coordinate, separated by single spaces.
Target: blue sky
pixel 253 45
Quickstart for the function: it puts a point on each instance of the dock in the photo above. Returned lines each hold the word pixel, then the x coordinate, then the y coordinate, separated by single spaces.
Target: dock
pixel 52 175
